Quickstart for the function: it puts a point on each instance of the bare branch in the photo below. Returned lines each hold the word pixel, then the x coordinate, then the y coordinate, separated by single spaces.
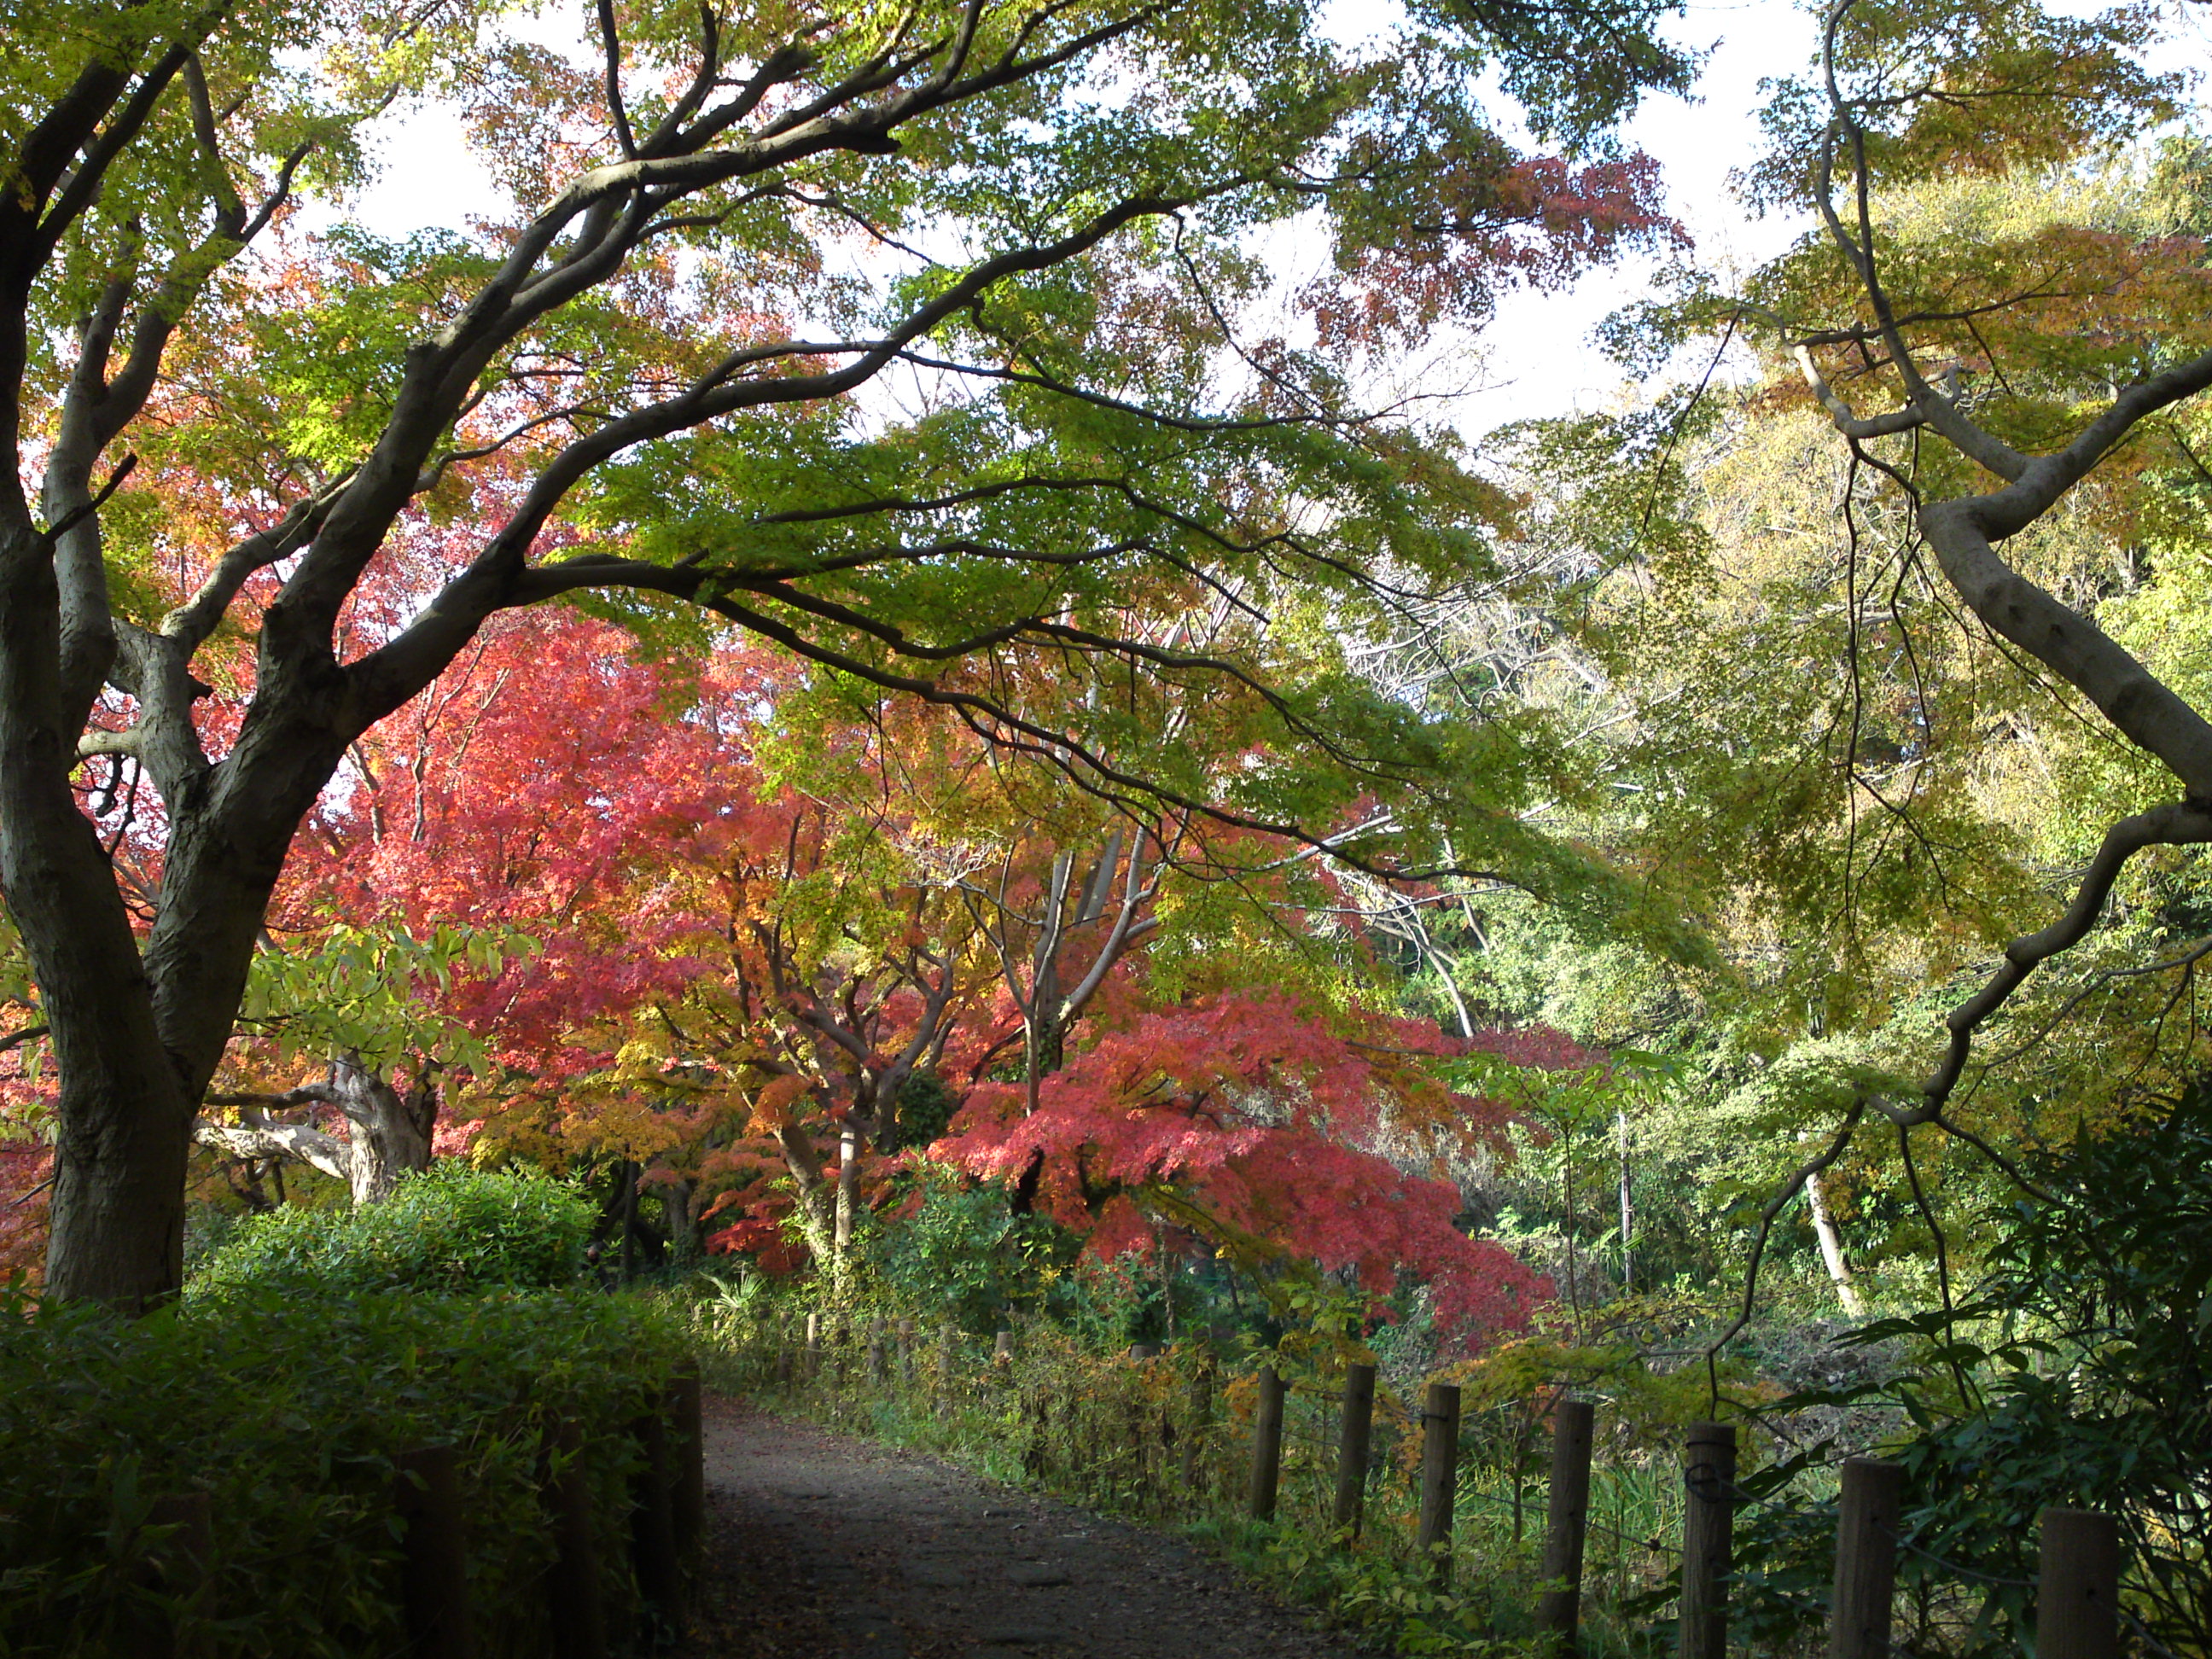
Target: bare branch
pixel 82 186
pixel 77 515
pixel 230 212
pixel 611 42
pixel 310 1094
pixel 258 1135
pixel 2142 706
pixel 703 84
pixel 2184 823
pixel 191 624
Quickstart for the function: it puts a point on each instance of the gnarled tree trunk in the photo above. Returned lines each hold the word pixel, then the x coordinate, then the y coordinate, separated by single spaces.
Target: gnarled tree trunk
pixel 390 1133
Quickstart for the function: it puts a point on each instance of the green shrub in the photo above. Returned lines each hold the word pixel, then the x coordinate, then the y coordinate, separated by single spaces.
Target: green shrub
pixel 451 1229
pixel 288 1411
pixel 958 1254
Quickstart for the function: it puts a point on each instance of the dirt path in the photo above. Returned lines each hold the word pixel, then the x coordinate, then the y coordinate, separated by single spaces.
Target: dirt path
pixel 824 1545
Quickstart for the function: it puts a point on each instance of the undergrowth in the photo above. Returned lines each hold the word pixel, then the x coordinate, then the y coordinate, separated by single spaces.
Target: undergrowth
pixel 449 1229
pixel 288 1413
pixel 305 1356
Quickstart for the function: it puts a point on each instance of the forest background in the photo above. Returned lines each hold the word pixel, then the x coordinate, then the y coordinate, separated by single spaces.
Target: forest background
pixel 1149 809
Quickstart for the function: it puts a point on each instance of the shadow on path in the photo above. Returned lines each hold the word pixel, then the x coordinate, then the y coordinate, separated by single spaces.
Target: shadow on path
pixel 824 1545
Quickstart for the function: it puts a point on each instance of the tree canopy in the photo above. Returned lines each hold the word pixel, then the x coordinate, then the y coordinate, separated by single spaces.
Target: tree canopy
pixel 845 328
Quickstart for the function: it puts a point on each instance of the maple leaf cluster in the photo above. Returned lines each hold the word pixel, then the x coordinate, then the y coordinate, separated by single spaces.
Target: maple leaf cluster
pixel 1251 1119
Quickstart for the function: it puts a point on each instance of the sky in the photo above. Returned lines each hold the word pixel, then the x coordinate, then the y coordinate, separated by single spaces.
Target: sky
pixel 1538 357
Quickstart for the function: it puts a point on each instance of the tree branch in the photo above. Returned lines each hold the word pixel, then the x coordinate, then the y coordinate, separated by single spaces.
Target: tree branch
pixel 1837 1144
pixel 257 1135
pixel 2184 823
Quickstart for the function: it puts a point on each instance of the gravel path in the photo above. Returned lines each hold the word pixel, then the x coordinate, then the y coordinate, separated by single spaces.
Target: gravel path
pixel 824 1545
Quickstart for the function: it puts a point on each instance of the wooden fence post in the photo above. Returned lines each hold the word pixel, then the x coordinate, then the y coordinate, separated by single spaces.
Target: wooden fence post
pixel 573 1600
pixel 1867 1515
pixel 948 1354
pixel 812 1366
pixel 1267 1446
pixel 1136 1459
pixel 906 1354
pixel 1002 1350
pixel 687 1491
pixel 879 1363
pixel 2077 1606
pixel 1708 1540
pixel 433 1568
pixel 1567 1520
pixel 177 1567
pixel 1439 1475
pixel 1354 1437
pixel 653 1524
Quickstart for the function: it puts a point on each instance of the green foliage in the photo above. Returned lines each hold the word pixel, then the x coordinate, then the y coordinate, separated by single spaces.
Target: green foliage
pixel 451 1229
pixel 926 1106
pixel 370 991
pixel 2074 1376
pixel 959 1255
pixel 1987 87
pixel 288 1409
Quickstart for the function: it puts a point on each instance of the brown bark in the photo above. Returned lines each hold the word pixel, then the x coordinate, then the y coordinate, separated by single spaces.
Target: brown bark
pixel 391 1131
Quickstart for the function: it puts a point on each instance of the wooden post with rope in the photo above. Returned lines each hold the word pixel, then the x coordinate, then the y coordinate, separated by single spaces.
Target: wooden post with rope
pixel 1867 1517
pixel 1267 1447
pixel 2077 1606
pixel 1355 1436
pixel 1439 1475
pixel 1708 1540
pixel 434 1566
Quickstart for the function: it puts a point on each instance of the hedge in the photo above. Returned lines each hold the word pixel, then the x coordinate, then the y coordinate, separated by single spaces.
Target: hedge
pixel 287 1404
pixel 449 1229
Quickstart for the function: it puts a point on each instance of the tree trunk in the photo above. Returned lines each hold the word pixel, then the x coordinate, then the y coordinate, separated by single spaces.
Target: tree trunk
pixel 816 1210
pixel 117 1217
pixel 136 1039
pixel 629 1174
pixel 848 1182
pixel 1831 1249
pixel 1627 1208
pixel 390 1132
pixel 679 1198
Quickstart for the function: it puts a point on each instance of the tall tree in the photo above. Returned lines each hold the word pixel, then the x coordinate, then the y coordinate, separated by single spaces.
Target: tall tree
pixel 1007 202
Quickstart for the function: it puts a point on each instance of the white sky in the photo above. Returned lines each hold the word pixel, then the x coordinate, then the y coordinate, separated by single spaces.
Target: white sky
pixel 1538 356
